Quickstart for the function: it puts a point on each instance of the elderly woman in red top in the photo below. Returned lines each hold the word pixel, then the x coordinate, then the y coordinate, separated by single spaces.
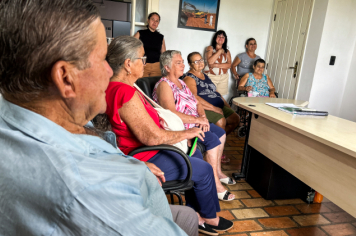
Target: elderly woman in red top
pixel 136 123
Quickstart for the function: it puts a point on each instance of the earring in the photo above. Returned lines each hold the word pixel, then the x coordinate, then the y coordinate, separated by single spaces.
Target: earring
pixel 129 73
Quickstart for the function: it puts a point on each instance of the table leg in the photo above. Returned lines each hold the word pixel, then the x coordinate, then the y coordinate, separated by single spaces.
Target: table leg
pixel 242 173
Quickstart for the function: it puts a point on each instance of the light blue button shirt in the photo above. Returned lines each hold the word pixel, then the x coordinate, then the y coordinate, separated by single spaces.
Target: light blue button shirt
pixel 53 182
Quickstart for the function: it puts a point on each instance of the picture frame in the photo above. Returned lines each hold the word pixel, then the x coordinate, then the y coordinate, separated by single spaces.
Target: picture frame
pixel 199 14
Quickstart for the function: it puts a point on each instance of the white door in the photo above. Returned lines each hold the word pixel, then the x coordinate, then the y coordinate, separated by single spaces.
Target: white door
pixel 290 23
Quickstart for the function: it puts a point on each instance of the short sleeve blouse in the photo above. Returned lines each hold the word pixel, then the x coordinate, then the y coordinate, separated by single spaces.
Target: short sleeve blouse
pixel 117 94
pixel 184 99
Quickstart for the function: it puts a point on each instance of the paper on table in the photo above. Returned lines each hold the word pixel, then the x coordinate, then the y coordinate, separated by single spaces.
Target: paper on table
pixel 278 105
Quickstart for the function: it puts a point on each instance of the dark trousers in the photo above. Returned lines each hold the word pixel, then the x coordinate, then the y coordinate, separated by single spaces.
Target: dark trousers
pixel 203 196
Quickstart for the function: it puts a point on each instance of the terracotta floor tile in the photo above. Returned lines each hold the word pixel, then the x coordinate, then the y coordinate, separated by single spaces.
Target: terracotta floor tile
pixel 234 234
pixel 312 208
pixel 340 230
pixel 240 194
pixel 281 210
pixel 233 148
pixel 289 201
pixel 257 202
pixel 254 193
pixel 308 220
pixel 238 156
pixel 229 172
pixel 230 152
pixel 310 231
pixel 354 224
pixel 325 200
pixel 249 213
pixel 339 217
pixel 231 204
pixel 270 233
pixel 226 214
pixel 240 186
pixel 234 162
pixel 277 223
pixel 231 166
pixel 245 226
pixel 332 206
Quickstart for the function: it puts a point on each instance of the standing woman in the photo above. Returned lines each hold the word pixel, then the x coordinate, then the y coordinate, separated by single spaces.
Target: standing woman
pixel 244 61
pixel 218 62
pixel 153 43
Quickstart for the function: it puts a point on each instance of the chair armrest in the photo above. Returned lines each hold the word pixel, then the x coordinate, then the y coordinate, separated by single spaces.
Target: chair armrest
pixel 170 148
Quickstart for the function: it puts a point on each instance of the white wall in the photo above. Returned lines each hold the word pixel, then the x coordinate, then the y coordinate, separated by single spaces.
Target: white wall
pixel 311 51
pixel 338 39
pixel 240 19
pixel 348 102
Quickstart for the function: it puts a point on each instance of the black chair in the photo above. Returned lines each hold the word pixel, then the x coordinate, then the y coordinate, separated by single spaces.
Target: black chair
pixel 173 187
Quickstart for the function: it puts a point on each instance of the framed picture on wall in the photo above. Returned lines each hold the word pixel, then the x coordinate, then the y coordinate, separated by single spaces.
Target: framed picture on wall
pixel 198 14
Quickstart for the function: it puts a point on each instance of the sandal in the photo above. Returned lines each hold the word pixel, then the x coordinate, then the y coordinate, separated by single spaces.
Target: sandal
pixel 206 229
pixel 223 225
pixel 224 159
pixel 224 196
pixel 228 181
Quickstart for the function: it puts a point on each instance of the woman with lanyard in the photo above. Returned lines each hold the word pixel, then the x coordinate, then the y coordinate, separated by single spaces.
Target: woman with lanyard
pixel 153 43
pixel 218 62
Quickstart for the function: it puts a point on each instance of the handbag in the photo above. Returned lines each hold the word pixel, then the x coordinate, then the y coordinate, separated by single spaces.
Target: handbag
pixel 171 120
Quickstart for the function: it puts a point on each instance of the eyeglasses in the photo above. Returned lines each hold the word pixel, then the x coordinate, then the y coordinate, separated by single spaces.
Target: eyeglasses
pixel 143 59
pixel 198 61
pixel 221 36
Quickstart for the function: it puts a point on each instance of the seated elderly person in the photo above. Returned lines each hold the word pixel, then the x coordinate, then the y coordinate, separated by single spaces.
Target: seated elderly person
pixel 217 110
pixel 173 94
pixel 136 123
pixel 58 177
pixel 258 83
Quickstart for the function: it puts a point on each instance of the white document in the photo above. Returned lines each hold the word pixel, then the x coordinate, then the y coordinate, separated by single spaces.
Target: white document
pixel 278 105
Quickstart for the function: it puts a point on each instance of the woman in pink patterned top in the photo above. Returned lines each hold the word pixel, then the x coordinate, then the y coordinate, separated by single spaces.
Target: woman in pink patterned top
pixel 173 94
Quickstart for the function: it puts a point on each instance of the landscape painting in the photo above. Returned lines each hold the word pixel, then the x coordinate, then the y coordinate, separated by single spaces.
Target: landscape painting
pixel 198 14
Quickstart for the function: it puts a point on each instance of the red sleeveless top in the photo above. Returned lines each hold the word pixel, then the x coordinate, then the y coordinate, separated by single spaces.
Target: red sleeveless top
pixel 117 94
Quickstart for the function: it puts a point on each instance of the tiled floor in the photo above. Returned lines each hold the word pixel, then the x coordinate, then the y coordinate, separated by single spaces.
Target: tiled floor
pixel 255 216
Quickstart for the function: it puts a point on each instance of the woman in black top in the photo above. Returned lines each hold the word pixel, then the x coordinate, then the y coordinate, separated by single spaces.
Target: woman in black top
pixel 154 45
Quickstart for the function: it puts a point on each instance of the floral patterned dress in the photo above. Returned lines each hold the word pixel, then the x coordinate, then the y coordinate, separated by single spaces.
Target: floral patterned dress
pixel 258 85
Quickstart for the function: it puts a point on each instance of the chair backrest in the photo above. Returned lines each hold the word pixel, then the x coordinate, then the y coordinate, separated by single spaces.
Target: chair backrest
pixel 147 84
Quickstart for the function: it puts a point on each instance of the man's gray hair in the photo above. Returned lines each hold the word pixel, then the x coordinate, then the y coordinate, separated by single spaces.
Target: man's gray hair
pixel 34 35
pixel 166 60
pixel 120 49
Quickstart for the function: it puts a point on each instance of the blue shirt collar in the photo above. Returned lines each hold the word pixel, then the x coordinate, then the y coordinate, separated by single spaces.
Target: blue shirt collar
pixel 42 129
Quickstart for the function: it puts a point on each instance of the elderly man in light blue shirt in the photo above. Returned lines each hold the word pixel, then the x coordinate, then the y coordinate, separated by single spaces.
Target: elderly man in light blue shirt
pixel 58 176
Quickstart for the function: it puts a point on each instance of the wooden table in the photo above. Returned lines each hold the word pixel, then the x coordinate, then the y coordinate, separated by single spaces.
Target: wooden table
pixel 320 151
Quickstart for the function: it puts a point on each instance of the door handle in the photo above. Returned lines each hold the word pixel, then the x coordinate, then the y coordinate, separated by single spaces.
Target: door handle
pixel 295 67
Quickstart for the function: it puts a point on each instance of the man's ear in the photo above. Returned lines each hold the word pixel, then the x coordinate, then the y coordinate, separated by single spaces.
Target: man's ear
pixel 63 76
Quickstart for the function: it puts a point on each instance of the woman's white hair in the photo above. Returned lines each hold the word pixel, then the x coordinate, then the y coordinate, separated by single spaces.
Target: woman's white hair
pixel 166 60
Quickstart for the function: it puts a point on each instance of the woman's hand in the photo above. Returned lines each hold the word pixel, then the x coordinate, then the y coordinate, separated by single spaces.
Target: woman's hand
pixel 248 88
pixel 203 123
pixel 195 132
pixel 157 172
pixel 236 76
pixel 221 51
pixel 272 95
